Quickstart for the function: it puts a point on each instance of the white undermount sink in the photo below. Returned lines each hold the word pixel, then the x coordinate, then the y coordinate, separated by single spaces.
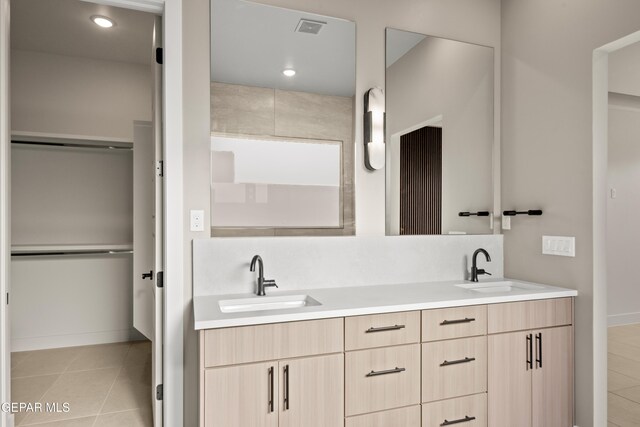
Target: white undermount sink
pixel 497 287
pixel 266 303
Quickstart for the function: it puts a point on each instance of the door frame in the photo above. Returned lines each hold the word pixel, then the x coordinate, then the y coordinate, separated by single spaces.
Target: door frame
pixel 173 370
pixel 600 169
pixel 5 211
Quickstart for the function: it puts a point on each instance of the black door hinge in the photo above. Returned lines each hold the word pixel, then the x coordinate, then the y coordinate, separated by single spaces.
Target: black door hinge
pixel 159 55
pixel 160 279
pixel 160 168
pixel 7 298
pixel 159 392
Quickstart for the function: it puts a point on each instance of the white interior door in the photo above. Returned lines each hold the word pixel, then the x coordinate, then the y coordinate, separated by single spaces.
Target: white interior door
pixel 5 238
pixel 143 229
pixel 148 226
pixel 158 225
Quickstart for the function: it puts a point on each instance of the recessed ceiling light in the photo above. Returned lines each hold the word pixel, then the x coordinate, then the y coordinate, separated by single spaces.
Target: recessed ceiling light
pixel 102 21
pixel 289 72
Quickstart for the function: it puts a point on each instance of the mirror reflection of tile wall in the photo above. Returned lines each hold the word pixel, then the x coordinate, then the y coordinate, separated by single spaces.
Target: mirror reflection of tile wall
pixel 253 101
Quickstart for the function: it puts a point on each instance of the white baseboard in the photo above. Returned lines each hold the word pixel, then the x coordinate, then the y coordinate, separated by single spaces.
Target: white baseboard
pixel 623 319
pixel 57 341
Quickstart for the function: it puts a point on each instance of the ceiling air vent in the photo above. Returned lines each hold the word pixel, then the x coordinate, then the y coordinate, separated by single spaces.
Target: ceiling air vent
pixel 309 26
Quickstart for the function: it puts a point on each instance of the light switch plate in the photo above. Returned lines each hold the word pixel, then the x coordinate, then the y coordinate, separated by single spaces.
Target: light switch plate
pixel 197 220
pixel 559 245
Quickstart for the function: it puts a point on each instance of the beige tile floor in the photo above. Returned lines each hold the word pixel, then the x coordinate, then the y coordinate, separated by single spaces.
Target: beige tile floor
pixel 105 385
pixel 624 376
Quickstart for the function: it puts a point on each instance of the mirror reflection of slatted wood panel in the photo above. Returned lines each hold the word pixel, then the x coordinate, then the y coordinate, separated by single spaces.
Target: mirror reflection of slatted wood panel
pixel 421 181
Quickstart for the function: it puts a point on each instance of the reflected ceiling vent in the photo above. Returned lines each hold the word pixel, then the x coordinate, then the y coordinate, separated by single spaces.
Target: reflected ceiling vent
pixel 309 26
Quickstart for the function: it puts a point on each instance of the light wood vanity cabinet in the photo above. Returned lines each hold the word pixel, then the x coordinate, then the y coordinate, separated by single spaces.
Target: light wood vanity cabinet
pixel 382 373
pixel 300 388
pixel 488 365
pixel 530 372
pixel 454 366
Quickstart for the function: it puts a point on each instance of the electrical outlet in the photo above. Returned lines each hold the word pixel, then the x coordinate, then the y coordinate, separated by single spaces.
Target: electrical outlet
pixel 506 222
pixel 559 245
pixel 197 220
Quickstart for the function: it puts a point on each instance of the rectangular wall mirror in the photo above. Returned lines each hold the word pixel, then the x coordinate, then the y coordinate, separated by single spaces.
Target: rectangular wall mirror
pixel 282 99
pixel 440 136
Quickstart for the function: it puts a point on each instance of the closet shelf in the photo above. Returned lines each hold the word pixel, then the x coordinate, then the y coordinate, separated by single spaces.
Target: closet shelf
pixel 70 249
pixel 53 139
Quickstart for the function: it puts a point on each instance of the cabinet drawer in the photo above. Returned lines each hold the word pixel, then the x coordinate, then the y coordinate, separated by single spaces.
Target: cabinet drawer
pixel 519 316
pixel 454 368
pixel 380 330
pixel 459 322
pixel 468 411
pixel 382 378
pixel 405 417
pixel 245 344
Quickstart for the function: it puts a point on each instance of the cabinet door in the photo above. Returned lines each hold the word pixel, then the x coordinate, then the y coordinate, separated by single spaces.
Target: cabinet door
pixel 509 379
pixel 312 392
pixel 241 396
pixel 553 378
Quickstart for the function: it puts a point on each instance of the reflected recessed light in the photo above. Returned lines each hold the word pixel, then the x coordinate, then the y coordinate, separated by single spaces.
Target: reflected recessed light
pixel 289 72
pixel 102 21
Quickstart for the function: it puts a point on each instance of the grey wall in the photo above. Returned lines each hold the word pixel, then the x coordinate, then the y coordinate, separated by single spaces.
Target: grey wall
pixel 476 21
pixel 547 49
pixel 77 96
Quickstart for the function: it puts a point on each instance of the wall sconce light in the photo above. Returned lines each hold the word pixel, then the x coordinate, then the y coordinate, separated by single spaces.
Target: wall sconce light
pixel 374 129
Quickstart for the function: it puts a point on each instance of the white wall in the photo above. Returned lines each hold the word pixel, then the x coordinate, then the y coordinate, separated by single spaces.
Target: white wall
pixel 73 196
pixel 547 76
pixel 476 21
pixel 623 230
pixel 77 96
pixel 71 300
pixel 453 80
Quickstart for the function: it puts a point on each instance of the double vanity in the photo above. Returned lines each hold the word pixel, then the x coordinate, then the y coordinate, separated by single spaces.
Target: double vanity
pixel 373 330
pixel 492 353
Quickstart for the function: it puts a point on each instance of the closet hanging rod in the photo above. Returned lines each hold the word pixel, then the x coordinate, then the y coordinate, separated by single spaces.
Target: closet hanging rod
pixel 73 145
pixel 70 253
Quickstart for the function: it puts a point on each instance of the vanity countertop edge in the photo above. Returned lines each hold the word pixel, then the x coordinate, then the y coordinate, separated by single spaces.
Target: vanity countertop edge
pixel 363 300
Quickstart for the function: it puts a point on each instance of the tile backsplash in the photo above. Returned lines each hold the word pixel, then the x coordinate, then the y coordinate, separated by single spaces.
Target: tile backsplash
pixel 221 265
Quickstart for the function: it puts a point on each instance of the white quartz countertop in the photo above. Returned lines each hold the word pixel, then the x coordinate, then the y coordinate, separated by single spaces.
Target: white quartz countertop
pixel 359 300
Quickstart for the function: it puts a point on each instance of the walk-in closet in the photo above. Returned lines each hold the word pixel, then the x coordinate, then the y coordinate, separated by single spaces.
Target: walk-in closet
pixel 82 117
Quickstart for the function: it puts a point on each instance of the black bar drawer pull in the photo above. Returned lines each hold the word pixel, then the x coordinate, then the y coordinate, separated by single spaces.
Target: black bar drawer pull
pixel 457 321
pixel 271 389
pixel 457 362
pixel 384 329
pixel 388 371
pixel 286 387
pixel 539 350
pixel 529 351
pixel 466 419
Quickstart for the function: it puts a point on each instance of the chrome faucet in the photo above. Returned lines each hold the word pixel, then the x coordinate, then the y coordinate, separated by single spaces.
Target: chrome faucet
pixel 262 282
pixel 475 271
